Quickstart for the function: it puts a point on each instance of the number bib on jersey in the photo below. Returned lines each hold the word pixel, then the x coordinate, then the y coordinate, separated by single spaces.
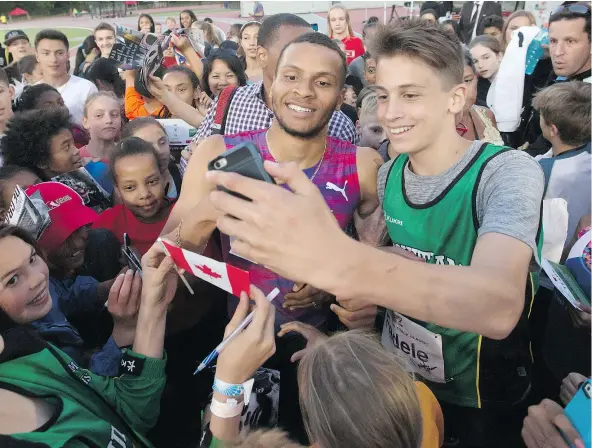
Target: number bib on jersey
pixel 420 348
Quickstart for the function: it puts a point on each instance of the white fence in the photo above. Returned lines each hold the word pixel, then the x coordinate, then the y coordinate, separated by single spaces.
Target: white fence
pixel 305 7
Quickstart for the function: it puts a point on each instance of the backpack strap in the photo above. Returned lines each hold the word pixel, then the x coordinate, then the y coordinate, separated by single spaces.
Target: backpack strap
pixel 222 108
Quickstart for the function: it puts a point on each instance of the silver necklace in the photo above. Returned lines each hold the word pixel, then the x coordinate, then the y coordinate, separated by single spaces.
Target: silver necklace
pixel 320 161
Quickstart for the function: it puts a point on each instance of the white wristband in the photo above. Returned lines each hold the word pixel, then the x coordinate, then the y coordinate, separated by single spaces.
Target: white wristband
pixel 231 408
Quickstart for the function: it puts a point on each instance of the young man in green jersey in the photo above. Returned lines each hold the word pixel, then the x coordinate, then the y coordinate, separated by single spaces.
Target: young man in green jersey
pixel 470 210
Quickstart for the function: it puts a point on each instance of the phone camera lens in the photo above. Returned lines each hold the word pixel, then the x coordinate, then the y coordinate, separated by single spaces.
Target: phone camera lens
pixel 219 164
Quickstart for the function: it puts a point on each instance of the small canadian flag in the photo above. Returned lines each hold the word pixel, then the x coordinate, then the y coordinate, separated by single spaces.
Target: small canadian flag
pixel 222 275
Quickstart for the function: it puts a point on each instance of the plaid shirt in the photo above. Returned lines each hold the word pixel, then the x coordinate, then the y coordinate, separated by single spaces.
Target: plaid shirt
pixel 248 112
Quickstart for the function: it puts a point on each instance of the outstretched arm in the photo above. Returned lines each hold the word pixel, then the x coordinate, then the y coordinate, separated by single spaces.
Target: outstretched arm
pixel 193 205
pixel 288 232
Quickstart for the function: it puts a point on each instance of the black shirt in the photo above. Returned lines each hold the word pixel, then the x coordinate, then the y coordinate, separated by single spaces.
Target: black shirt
pixel 483 86
pixel 351 112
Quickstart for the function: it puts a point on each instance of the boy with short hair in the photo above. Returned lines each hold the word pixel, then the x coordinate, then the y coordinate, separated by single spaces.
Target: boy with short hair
pixel 105 38
pixel 565 116
pixel 469 210
pixel 493 26
pixel 18 46
pixel 51 48
pixel 171 23
pixel 370 131
pixel 465 193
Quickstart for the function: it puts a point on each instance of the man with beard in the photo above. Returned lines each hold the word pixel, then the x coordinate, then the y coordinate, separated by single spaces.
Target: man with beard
pixel 306 92
pixel 308 88
pixel 250 107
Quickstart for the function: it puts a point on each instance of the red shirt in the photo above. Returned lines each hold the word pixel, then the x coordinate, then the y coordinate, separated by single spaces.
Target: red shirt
pixel 354 47
pixel 120 220
pixel 85 154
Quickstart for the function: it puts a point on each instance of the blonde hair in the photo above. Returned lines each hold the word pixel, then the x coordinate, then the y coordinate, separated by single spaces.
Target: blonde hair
pixel 273 438
pixel 354 393
pixel 369 106
pixel 527 14
pixel 94 96
pixel 349 27
pixel 209 34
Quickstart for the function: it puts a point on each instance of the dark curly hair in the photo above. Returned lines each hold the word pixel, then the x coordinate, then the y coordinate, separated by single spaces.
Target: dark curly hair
pixel 27 140
pixel 30 96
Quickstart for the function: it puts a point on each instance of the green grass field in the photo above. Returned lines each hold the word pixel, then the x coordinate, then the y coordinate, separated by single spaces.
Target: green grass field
pixel 75 35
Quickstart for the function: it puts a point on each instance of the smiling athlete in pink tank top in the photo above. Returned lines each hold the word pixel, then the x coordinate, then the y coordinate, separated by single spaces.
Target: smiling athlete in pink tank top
pixel 336 176
pixel 304 95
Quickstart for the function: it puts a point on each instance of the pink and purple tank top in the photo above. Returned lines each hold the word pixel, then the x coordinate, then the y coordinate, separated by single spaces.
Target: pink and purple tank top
pixel 337 180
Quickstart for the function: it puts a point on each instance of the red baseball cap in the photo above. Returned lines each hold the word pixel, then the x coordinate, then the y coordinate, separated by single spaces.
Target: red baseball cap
pixel 66 210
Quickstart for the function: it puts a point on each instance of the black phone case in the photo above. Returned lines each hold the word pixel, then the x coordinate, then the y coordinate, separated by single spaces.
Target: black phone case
pixel 246 160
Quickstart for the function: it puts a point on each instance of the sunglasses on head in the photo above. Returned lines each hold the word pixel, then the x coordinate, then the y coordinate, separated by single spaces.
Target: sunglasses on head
pixel 249 23
pixel 574 8
pixel 220 51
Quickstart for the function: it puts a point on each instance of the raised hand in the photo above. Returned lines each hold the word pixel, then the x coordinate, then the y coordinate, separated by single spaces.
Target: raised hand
pixel 159 278
pixel 123 304
pixel 354 317
pixel 182 43
pixel 311 334
pixel 570 385
pixel 256 344
pixel 543 424
pixel 290 232
pixel 158 89
pixel 305 296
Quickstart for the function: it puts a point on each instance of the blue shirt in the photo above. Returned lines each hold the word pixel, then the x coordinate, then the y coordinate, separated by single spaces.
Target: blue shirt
pixel 73 296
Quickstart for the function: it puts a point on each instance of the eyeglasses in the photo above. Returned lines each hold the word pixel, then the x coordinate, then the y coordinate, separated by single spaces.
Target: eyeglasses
pixel 575 8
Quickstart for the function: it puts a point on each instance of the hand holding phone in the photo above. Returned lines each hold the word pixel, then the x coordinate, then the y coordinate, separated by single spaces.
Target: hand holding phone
pixel 244 159
pixel 579 413
pixel 133 261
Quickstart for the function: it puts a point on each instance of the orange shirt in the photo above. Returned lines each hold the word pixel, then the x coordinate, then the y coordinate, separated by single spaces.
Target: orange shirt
pixel 134 105
pixel 433 420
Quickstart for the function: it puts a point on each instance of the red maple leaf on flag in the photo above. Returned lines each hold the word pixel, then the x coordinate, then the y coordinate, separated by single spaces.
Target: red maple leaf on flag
pixel 207 271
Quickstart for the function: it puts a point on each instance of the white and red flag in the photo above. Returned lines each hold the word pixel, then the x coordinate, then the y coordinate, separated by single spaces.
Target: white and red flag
pixel 222 275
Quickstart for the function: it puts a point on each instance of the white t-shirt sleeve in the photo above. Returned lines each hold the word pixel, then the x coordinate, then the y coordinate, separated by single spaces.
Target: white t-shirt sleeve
pixel 75 92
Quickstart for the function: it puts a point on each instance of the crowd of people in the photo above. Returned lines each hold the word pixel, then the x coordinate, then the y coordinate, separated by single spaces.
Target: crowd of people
pixel 424 175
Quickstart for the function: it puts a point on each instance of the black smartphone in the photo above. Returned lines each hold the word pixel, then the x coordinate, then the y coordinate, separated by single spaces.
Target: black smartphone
pixel 133 262
pixel 244 159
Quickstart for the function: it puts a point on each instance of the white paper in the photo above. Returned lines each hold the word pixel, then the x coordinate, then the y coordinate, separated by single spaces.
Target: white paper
pixel 420 348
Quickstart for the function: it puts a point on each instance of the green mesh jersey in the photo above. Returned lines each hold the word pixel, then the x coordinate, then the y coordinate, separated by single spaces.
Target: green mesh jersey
pixel 478 371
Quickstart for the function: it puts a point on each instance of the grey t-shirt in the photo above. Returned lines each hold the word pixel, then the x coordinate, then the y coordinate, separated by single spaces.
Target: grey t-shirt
pixel 356 68
pixel 509 193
